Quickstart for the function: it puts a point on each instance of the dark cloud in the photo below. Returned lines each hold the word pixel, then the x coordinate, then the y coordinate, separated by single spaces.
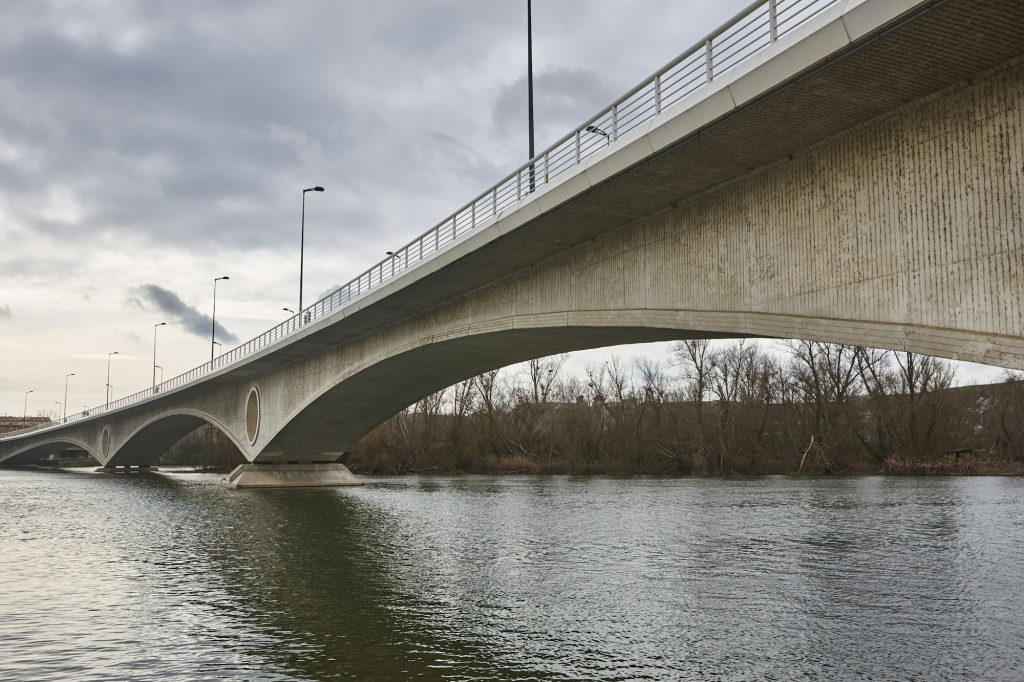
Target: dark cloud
pixel 5 311
pixel 153 297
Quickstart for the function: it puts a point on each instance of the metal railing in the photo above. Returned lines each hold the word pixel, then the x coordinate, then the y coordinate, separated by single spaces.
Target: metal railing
pixel 753 29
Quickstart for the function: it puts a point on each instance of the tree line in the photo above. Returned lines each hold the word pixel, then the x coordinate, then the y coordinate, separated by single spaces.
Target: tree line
pixel 712 409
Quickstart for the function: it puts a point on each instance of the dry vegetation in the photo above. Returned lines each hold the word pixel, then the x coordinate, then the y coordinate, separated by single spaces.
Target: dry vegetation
pixel 733 409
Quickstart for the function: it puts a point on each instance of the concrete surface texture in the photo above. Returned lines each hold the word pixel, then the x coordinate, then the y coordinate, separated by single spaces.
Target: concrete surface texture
pixel 860 183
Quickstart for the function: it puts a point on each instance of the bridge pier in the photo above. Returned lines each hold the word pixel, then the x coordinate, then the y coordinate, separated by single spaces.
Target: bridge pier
pixel 291 475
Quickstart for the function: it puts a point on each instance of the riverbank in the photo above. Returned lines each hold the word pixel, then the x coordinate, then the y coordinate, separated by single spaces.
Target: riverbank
pixel 964 464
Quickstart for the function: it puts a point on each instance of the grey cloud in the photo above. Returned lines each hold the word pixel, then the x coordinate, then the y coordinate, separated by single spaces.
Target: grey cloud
pixel 153 297
pixel 328 291
pixel 5 311
pixel 193 125
pixel 564 98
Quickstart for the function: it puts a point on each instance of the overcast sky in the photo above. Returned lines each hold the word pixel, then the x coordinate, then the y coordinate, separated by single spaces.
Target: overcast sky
pixel 148 147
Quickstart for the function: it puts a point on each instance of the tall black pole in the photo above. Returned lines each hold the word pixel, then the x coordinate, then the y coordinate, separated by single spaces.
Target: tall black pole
pixel 109 355
pixel 302 239
pixel 529 80
pixel 302 245
pixel 213 319
pixel 155 327
pixel 66 395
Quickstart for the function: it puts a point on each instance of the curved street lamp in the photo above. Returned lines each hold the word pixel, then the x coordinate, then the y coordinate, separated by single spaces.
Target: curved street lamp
pixel 160 324
pixel 302 237
pixel 529 82
pixel 109 355
pixel 213 320
pixel 66 395
pixel 24 418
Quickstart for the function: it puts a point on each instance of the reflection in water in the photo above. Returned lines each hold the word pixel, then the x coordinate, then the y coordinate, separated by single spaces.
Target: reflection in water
pixel 171 576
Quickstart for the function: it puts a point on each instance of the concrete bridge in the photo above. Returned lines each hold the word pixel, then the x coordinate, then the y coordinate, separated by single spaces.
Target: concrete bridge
pixel 840 170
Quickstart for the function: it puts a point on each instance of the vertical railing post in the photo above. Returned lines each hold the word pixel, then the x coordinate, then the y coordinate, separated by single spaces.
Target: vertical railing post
pixel 519 185
pixel 708 58
pixel 472 214
pixel 546 176
pixel 773 19
pixel 494 201
pixel 657 94
pixel 437 239
pixel 577 146
pixel 615 122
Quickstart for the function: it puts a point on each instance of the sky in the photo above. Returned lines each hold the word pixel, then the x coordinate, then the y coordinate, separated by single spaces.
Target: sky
pixel 147 148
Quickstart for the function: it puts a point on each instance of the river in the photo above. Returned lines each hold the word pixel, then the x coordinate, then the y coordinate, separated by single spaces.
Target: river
pixel 171 576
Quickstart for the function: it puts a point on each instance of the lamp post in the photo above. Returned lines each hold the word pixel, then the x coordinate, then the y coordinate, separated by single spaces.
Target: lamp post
pixel 57 403
pixel 24 418
pixel 302 237
pixel 529 80
pixel 213 320
pixel 161 373
pixel 109 355
pixel 288 310
pixel 218 345
pixel 155 326
pixel 66 394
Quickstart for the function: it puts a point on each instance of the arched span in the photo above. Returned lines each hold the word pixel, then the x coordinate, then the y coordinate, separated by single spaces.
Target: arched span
pixel 148 442
pixel 334 418
pixel 344 408
pixel 37 453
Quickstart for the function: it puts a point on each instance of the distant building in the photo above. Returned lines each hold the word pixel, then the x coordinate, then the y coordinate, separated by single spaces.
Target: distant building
pixel 8 423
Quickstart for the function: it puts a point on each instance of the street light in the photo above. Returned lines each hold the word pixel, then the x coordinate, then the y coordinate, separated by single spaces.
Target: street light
pixel 109 355
pixel 161 373
pixel 213 321
pixel 529 80
pixel 288 310
pixel 57 403
pixel 66 394
pixel 24 418
pixel 160 324
pixel 218 344
pixel 302 237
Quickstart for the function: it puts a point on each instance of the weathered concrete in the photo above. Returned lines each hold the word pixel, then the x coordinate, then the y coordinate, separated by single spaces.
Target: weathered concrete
pixel 290 476
pixel 862 190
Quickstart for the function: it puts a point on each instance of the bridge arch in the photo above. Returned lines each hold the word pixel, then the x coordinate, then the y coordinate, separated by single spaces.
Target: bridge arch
pixel 40 451
pixel 145 445
pixel 345 406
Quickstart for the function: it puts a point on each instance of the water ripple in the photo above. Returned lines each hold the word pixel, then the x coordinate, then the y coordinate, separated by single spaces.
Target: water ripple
pixel 173 577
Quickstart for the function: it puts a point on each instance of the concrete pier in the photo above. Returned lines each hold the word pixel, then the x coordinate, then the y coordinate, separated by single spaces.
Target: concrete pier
pixel 308 475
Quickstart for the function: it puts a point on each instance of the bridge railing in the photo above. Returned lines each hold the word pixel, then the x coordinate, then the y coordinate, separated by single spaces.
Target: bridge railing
pixel 756 27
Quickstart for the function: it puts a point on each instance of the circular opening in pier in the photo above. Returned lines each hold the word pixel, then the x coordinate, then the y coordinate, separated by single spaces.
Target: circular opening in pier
pixel 252 415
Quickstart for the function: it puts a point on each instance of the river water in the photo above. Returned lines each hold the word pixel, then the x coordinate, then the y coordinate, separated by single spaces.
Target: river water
pixel 171 576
